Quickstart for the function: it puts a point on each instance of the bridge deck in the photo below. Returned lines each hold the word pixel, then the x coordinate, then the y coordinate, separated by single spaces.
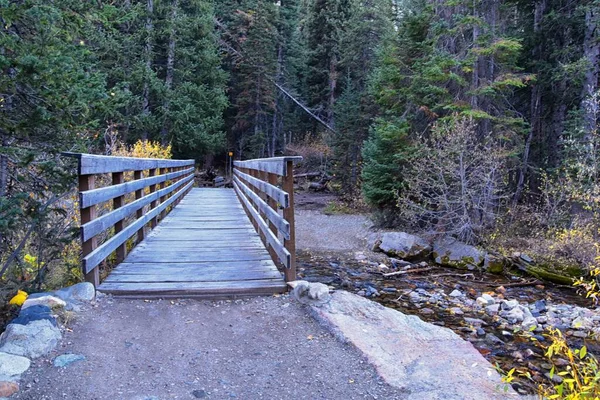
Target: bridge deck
pixel 206 247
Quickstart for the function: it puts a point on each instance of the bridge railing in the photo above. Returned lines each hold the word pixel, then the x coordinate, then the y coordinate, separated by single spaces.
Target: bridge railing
pixel 136 189
pixel 265 187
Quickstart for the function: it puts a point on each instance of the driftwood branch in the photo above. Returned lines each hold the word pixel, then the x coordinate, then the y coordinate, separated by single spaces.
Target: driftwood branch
pixel 409 271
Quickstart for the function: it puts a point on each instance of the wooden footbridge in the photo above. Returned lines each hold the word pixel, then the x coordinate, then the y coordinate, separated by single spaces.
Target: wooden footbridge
pixel 166 238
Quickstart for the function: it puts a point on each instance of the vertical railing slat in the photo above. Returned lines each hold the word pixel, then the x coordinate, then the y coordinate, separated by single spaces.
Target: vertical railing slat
pixel 139 213
pixel 121 252
pixel 88 182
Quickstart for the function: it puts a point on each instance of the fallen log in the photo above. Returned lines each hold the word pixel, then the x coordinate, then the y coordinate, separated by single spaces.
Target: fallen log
pixel 518 284
pixel 308 175
pixel 539 273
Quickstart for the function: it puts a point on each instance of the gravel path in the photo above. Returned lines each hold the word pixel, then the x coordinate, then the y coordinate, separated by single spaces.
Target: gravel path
pixel 248 349
pixel 319 232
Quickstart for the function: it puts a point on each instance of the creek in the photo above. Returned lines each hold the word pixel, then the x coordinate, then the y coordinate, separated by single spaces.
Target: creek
pixel 427 295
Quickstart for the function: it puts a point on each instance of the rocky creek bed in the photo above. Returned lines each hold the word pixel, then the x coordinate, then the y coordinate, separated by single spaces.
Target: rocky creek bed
pixel 507 324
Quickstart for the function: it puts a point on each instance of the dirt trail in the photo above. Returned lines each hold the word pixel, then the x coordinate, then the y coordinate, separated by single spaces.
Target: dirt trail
pixel 248 349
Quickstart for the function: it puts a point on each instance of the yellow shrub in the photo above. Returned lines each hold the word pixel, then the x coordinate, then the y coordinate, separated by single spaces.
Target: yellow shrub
pixel 144 149
pixel 580 377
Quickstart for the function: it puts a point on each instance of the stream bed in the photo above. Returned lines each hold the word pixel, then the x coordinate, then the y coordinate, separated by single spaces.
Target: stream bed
pixel 453 299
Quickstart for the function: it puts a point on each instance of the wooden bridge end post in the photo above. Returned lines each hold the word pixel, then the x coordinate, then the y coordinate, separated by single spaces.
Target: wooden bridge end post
pixel 87 214
pixel 118 202
pixel 288 215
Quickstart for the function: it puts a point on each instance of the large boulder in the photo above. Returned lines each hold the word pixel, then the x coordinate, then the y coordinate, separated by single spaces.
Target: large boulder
pixel 427 361
pixel 404 245
pixel 450 252
pixel 33 340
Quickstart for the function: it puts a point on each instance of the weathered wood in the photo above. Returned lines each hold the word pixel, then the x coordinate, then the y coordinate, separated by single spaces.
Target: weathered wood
pixel 288 214
pixel 204 256
pixel 274 165
pixel 104 222
pixel 282 253
pixel 98 255
pixel 137 175
pixel 91 197
pixel 87 182
pixel 152 188
pixel 95 164
pixel 121 252
pixel 269 188
pixel 194 276
pixel 164 171
pixel 197 289
pixel 277 220
pixel 272 180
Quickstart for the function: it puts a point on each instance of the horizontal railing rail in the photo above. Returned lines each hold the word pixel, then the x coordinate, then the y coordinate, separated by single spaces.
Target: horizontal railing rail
pixel 265 187
pixel 139 192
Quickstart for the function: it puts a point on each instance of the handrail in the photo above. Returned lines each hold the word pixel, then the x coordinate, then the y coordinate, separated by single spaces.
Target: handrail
pixel 265 186
pixel 165 184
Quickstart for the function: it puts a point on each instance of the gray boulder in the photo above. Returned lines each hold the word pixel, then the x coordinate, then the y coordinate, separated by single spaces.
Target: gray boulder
pixel 33 340
pixel 11 365
pixel 404 245
pixel 310 293
pixel 428 362
pixel 34 313
pixel 84 291
pixel 450 252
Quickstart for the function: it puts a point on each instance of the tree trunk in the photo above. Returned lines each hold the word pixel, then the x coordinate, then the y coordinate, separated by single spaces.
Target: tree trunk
pixel 332 88
pixel 536 107
pixel 164 134
pixel 148 72
pixel 275 129
pixel 591 51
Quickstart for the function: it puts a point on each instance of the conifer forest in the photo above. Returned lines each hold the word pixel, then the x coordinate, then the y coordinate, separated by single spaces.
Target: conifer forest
pixel 474 119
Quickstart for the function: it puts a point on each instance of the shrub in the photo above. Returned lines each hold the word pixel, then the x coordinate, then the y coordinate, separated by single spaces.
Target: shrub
pixel 455 185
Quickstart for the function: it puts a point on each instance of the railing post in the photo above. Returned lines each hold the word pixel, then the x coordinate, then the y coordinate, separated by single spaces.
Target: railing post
pixel 288 215
pixel 139 213
pixel 257 175
pixel 163 213
pixel 272 179
pixel 154 220
pixel 87 182
pixel 121 252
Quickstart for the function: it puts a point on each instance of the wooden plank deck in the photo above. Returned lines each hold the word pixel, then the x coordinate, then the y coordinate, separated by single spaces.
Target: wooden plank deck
pixel 206 247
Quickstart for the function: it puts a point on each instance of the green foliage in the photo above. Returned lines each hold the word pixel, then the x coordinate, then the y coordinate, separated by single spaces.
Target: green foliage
pixel 387 153
pixel 73 78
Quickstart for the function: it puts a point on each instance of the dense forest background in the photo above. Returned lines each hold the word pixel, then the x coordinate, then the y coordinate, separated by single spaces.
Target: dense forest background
pixel 460 117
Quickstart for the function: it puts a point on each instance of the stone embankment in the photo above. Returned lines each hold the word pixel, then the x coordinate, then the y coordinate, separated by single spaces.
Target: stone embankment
pixel 36 333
